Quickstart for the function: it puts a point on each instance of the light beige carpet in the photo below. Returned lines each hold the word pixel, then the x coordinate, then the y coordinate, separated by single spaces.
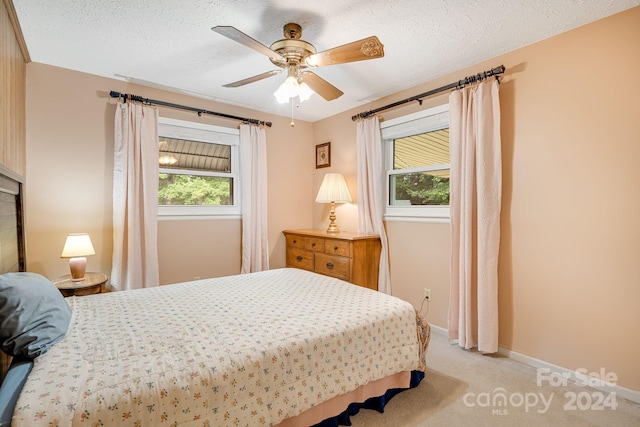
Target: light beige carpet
pixel 459 387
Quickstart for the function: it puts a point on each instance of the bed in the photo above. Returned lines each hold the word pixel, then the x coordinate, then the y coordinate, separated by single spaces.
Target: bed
pixel 284 347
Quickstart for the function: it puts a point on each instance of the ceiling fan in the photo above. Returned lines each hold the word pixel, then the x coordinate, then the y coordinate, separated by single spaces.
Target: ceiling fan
pixel 295 55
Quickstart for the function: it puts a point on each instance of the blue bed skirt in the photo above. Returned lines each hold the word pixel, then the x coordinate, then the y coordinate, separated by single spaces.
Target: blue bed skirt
pixel 377 403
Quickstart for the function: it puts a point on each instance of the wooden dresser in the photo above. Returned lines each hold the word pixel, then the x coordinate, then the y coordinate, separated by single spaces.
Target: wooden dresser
pixel 348 256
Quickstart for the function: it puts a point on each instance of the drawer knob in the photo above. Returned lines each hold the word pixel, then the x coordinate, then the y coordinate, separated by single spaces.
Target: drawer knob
pixel 299 258
pixel 335 248
pixel 330 265
pixel 313 245
pixel 295 241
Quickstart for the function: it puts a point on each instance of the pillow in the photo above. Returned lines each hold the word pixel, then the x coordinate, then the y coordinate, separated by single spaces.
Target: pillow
pixel 33 314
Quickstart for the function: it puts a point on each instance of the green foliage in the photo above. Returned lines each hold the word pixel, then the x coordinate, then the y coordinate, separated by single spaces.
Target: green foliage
pixel 422 189
pixel 193 190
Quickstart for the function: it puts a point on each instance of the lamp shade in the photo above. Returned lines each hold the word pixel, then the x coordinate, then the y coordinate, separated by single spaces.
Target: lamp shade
pixel 77 245
pixel 333 189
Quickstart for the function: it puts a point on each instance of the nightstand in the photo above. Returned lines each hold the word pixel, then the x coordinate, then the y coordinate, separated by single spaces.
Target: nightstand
pixel 93 283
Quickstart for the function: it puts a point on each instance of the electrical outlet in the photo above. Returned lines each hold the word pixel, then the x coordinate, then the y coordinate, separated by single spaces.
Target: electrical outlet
pixel 196 278
pixel 427 294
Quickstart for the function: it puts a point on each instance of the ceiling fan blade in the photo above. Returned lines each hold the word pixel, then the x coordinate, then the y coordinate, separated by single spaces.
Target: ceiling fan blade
pixel 321 86
pixel 369 48
pixel 240 37
pixel 253 79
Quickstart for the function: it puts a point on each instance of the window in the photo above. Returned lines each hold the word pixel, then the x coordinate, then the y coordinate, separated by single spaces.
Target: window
pixel 198 170
pixel 417 165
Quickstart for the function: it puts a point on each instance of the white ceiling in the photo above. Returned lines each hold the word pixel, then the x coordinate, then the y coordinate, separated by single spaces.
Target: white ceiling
pixel 169 43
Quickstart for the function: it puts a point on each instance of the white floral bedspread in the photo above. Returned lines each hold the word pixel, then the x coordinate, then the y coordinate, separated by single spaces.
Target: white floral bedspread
pixel 242 350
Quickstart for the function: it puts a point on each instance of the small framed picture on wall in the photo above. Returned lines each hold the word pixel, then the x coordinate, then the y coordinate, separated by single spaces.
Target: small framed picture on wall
pixel 323 155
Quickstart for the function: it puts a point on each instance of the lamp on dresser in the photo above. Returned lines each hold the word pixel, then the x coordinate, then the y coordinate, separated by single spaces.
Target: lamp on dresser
pixel 333 190
pixel 77 247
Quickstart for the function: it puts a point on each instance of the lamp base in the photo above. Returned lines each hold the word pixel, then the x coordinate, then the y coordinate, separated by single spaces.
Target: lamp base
pixel 78 266
pixel 333 228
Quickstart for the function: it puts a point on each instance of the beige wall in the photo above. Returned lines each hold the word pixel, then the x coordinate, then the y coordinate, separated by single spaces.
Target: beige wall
pixel 569 270
pixel 341 133
pixel 70 169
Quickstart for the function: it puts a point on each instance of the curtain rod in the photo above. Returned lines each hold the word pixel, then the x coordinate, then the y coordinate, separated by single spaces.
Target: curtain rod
pixel 200 111
pixel 455 85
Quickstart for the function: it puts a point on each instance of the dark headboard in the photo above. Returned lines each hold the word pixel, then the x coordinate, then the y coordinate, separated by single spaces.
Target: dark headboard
pixel 12 253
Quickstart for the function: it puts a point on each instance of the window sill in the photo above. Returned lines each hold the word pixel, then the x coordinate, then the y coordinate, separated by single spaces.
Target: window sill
pixel 439 213
pixel 190 213
pixel 415 218
pixel 197 217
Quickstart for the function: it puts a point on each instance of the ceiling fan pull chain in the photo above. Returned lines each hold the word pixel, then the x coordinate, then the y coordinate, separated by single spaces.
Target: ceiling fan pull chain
pixel 291 101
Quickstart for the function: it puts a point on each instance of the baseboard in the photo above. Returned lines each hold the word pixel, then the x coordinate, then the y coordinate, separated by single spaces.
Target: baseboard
pixel 574 376
pixel 438 329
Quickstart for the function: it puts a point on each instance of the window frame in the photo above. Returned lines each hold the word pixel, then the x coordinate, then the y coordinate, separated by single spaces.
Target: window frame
pixel 181 129
pixel 428 120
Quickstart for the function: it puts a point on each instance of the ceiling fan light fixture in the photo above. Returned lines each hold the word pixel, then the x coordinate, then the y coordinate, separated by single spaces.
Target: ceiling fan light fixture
pixel 304 92
pixel 292 88
pixel 288 89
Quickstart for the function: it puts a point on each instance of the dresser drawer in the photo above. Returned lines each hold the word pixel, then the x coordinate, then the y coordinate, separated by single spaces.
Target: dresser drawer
pixel 300 258
pixel 295 241
pixel 314 244
pixel 332 265
pixel 336 247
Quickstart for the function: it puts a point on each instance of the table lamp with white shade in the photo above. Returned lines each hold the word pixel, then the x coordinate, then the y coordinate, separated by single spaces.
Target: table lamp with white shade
pixel 77 247
pixel 333 190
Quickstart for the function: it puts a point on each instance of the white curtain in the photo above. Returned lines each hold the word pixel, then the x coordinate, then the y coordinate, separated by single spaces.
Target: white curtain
pixel 135 197
pixel 370 192
pixel 253 158
pixel 476 192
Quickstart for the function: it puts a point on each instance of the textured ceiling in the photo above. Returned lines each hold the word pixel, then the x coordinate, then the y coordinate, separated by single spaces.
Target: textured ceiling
pixel 169 43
